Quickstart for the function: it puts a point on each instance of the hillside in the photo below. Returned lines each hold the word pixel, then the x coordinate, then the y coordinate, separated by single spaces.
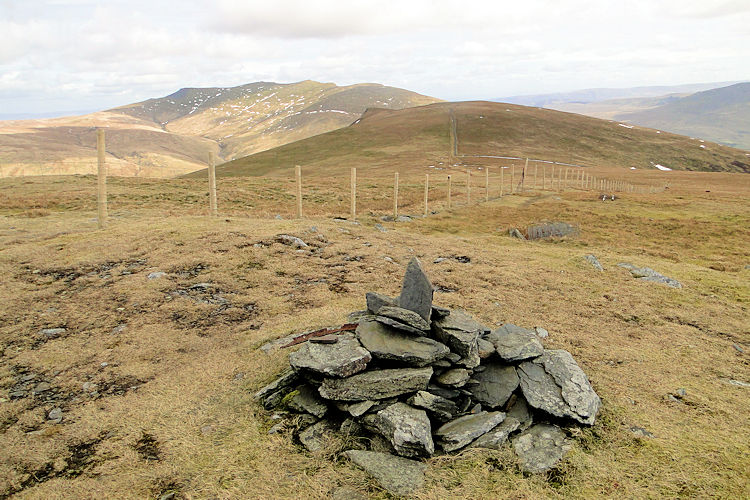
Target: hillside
pixel 721 115
pixel 173 134
pixel 420 138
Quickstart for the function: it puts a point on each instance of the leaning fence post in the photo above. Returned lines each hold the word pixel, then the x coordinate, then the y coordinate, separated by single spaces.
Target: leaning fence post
pixel 449 192
pixel 212 184
pixel 395 196
pixel 354 193
pixel 298 171
pixel 426 191
pixel 101 199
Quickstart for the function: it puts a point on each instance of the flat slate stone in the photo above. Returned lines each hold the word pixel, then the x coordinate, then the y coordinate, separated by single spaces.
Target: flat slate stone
pixel 455 377
pixel 541 447
pixel 441 408
pixel 460 320
pixel 495 385
pixel 485 348
pixel 648 274
pixel 405 316
pixel 416 290
pixel 386 343
pixel 554 383
pixel 376 384
pixel 377 300
pixel 513 343
pixel 287 379
pixel 440 312
pixel 342 359
pixel 400 326
pixel 399 476
pixel 306 399
pixel 497 437
pixel 460 432
pixel 408 429
pixel 462 343
pixel 359 409
pixel 591 259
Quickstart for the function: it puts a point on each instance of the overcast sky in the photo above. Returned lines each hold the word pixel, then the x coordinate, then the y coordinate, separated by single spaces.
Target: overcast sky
pixel 70 55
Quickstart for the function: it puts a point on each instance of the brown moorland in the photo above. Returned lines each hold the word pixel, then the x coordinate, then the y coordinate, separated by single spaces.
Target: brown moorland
pixel 155 377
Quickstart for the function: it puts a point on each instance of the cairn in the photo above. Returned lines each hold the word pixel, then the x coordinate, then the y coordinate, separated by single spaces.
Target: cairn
pixel 417 380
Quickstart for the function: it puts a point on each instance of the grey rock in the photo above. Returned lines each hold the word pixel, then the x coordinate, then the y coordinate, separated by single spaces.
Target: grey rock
pixel 455 377
pixel 55 415
pixel 519 409
pixel 325 339
pixel 399 476
pixel 342 359
pixel 380 228
pixel 119 329
pixel 377 300
pixel 291 241
pixel 277 428
pixel 648 274
pixel 460 320
pixel 453 357
pixel 738 383
pixel 156 275
pixel 403 218
pixel 672 399
pixel 42 387
pixel 278 217
pixel 442 363
pixel 306 399
pixel 514 343
pixel 404 316
pixel 386 343
pixel 440 312
pixel 515 233
pixel 541 447
pixel 286 380
pixel 738 348
pixel 441 408
pixel 554 383
pixel 376 384
pixel 52 333
pixel 348 493
pixel 497 437
pixel 462 343
pixel 495 385
pixel 591 259
pixel 541 332
pixel 443 392
pixel 408 429
pixel 359 409
pixel 460 432
pixel 400 326
pixel 317 436
pixel 416 290
pixel 357 316
pixel 485 348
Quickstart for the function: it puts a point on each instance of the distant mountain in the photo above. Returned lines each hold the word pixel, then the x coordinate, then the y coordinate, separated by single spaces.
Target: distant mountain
pixel 172 135
pixel 721 115
pixel 586 96
pixel 418 140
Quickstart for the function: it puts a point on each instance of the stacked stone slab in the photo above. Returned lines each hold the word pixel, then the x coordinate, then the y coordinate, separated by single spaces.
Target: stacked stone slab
pixel 418 380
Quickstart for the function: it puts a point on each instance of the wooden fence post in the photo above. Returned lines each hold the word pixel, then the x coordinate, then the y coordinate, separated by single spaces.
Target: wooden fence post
pixel 449 192
pixel 298 171
pixel 395 196
pixel 426 192
pixel 544 176
pixel 101 199
pixel 212 185
pixel 523 175
pixel 536 175
pixel 486 184
pixel 468 187
pixel 354 193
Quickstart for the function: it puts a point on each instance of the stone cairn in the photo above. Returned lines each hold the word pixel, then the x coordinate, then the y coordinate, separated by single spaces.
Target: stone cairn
pixel 415 380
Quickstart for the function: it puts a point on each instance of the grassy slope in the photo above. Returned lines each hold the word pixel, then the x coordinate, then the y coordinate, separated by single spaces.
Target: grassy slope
pixel 721 115
pixel 183 371
pixel 173 135
pixel 414 138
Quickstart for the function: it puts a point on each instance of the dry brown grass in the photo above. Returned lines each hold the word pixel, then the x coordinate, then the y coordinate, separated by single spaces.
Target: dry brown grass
pixel 185 365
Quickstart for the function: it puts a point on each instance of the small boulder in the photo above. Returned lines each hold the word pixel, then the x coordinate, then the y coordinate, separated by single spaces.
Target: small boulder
pixel 399 476
pixel 591 259
pixel 317 436
pixel 494 385
pixel 292 241
pixel 455 377
pixel 514 343
pixel 541 447
pixel 52 333
pixel 408 429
